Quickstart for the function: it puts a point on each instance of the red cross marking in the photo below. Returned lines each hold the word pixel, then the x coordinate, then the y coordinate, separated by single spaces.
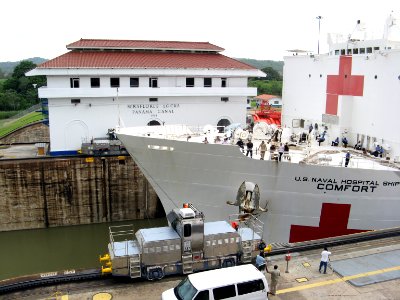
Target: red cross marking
pixel 333 222
pixel 342 84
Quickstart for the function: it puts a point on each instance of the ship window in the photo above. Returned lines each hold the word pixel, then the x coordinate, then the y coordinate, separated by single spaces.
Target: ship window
pixel 171 247
pixel 343 52
pixel 207 82
pixel 369 50
pixel 223 82
pixel 355 51
pixel 348 51
pixel 376 48
pixel 362 50
pixel 114 82
pixel 336 52
pixel 153 82
pixel 187 230
pixel 153 99
pixel 75 101
pixel 134 82
pixel 224 99
pixel 95 82
pixel 74 82
pixel 190 82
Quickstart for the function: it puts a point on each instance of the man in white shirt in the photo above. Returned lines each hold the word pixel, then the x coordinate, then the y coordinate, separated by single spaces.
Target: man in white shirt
pixel 324 259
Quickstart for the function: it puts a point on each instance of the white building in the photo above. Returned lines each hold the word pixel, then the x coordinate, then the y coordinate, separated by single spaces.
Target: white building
pixel 99 84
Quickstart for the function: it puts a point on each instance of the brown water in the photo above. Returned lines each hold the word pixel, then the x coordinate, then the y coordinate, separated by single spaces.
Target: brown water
pixel 34 251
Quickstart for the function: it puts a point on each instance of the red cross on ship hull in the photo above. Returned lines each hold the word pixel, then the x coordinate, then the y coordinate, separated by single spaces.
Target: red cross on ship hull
pixel 333 222
pixel 342 84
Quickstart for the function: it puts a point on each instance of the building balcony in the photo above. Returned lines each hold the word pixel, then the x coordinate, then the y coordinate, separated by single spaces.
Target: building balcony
pixel 51 93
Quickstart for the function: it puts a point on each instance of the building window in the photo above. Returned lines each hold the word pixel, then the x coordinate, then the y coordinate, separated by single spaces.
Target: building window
pixel 95 82
pixel 223 82
pixel 114 82
pixel 207 82
pixel 74 83
pixel 153 99
pixel 336 52
pixel 153 82
pixel 134 82
pixel 224 99
pixel 190 82
pixel 75 101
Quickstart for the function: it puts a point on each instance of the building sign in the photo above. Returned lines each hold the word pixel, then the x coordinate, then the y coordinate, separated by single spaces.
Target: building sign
pixel 154 110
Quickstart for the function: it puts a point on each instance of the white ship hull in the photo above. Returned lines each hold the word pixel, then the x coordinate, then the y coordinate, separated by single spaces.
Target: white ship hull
pixel 304 201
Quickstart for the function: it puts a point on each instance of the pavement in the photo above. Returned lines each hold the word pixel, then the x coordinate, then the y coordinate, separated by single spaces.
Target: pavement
pixel 302 281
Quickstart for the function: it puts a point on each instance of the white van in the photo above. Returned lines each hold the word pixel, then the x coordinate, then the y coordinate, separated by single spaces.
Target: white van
pixel 240 282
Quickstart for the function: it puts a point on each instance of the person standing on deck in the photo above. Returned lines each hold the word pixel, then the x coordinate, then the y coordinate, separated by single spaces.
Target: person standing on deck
pixel 347 159
pixel 262 148
pixel 281 150
pixel 249 146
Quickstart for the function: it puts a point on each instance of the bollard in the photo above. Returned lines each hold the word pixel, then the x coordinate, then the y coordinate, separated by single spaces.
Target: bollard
pixel 287 258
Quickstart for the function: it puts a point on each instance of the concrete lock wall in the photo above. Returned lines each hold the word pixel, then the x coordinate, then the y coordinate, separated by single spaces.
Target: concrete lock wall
pixel 40 193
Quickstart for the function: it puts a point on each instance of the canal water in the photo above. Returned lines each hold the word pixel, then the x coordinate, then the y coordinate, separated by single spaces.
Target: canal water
pixel 35 251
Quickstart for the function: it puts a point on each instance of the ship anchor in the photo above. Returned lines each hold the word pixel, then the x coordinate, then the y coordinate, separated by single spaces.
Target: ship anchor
pixel 248 200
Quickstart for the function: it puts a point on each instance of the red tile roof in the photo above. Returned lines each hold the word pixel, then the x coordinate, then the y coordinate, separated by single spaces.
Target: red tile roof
pixel 266 97
pixel 121 60
pixel 129 44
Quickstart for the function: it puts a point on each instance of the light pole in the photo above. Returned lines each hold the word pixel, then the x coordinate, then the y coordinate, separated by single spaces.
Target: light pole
pixel 319 29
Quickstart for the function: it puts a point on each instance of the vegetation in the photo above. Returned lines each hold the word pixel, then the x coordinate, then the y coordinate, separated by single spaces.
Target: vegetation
pixel 25 120
pixel 271 84
pixel 7 114
pixel 261 64
pixel 18 92
pixel 7 67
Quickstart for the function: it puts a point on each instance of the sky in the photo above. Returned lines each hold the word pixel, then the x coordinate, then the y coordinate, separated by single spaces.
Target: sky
pixel 245 29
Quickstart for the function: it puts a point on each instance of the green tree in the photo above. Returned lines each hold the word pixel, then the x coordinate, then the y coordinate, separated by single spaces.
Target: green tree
pixel 23 86
pixel 267 87
pixel 272 74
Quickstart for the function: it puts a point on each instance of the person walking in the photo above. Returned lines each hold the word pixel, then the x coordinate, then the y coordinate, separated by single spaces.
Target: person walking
pixel 324 259
pixel 275 273
pixel 262 148
pixel 249 146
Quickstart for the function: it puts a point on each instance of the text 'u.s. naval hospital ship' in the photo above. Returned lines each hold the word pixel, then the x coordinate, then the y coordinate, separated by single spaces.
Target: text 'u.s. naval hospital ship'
pixel 351 92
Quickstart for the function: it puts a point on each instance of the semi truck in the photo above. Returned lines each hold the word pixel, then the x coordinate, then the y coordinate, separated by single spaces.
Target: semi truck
pixel 187 245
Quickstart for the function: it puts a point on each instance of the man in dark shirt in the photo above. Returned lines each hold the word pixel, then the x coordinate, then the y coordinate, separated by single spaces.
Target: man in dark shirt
pixel 249 146
pixel 240 144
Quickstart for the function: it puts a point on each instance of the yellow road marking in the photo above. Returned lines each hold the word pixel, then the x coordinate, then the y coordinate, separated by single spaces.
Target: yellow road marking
pixel 302 279
pixel 333 281
pixel 306 264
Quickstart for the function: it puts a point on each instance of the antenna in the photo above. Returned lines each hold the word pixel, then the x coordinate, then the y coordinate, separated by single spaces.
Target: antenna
pixel 319 29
